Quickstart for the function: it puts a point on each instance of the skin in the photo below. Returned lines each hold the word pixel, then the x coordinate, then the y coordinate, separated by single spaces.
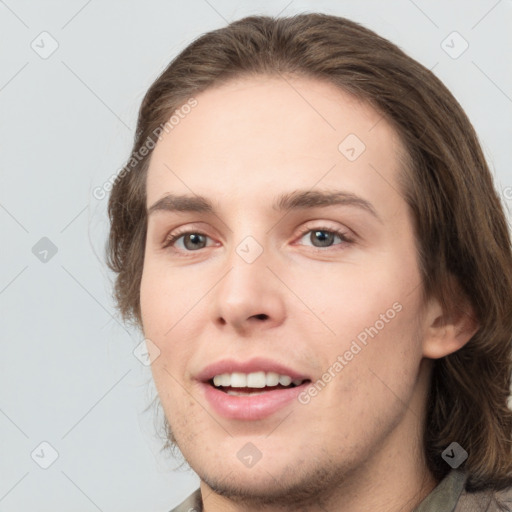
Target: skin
pixel 359 441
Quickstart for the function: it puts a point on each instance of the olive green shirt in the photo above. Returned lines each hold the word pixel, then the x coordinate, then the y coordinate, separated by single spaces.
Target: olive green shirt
pixel 448 496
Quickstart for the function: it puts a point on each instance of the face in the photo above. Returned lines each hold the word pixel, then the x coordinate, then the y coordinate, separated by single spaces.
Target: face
pixel 284 302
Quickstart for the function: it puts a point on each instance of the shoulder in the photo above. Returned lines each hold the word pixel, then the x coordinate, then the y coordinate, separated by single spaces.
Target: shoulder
pixel 490 501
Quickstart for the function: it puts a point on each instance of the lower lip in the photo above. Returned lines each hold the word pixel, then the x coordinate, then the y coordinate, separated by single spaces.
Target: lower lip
pixel 250 407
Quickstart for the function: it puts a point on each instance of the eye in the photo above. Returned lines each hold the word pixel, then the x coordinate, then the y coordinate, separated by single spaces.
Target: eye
pixel 323 237
pixel 192 240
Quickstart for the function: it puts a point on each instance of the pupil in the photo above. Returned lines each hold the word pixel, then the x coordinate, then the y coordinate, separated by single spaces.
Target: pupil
pixel 194 238
pixel 325 238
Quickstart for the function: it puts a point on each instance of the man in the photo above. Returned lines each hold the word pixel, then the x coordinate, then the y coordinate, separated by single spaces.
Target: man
pixel 308 236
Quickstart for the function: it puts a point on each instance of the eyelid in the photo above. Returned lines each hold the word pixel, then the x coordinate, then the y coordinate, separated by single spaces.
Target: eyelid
pixel 320 225
pixel 184 230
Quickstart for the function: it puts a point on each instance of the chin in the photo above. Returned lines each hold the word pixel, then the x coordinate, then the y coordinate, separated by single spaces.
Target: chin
pixel 266 486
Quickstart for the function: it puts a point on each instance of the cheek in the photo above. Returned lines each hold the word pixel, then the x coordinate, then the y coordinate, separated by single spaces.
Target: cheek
pixel 165 298
pixel 170 310
pixel 374 371
pixel 352 299
pixel 380 357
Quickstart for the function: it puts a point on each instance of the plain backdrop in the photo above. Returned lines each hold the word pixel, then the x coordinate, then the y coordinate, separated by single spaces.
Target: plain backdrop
pixel 72 75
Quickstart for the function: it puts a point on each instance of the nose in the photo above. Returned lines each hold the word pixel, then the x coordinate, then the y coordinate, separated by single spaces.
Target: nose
pixel 249 297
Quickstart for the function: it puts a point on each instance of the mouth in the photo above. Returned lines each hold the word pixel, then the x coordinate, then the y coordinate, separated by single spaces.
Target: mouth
pixel 251 390
pixel 254 383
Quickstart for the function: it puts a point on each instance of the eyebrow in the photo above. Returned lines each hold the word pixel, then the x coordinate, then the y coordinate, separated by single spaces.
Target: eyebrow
pixel 296 200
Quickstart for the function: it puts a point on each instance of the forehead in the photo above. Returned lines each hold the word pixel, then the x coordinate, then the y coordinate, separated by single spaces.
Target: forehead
pixel 259 132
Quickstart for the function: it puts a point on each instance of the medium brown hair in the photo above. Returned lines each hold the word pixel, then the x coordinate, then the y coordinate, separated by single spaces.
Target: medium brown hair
pixel 461 230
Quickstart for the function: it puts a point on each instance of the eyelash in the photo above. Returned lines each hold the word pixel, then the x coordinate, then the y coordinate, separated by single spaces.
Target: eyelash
pixel 172 238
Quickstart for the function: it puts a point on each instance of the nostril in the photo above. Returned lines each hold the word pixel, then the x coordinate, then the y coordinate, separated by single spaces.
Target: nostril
pixel 261 316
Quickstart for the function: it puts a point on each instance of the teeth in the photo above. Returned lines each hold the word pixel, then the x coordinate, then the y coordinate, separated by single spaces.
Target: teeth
pixel 219 380
pixel 253 380
pixel 284 380
pixel 272 379
pixel 238 380
pixel 256 380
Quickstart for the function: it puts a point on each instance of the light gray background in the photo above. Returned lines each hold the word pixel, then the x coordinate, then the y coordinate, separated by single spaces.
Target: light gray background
pixel 67 372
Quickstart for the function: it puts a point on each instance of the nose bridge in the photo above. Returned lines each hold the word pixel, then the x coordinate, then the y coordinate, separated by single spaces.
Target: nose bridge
pixel 248 241
pixel 247 261
pixel 250 250
pixel 248 290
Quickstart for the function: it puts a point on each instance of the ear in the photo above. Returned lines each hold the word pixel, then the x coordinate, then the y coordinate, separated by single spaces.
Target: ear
pixel 446 332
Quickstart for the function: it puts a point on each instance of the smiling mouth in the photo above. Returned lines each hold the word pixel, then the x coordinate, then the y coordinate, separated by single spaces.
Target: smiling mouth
pixel 251 393
pixel 252 384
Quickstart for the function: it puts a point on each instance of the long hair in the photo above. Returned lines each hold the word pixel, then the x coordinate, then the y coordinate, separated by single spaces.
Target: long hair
pixel 461 230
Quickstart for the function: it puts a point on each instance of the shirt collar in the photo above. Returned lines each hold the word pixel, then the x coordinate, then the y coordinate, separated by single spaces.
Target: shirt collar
pixel 446 495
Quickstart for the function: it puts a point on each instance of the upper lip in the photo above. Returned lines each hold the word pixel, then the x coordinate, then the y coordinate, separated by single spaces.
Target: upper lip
pixel 250 366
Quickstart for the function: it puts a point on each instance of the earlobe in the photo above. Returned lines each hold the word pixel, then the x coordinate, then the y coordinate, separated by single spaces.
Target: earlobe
pixel 447 332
